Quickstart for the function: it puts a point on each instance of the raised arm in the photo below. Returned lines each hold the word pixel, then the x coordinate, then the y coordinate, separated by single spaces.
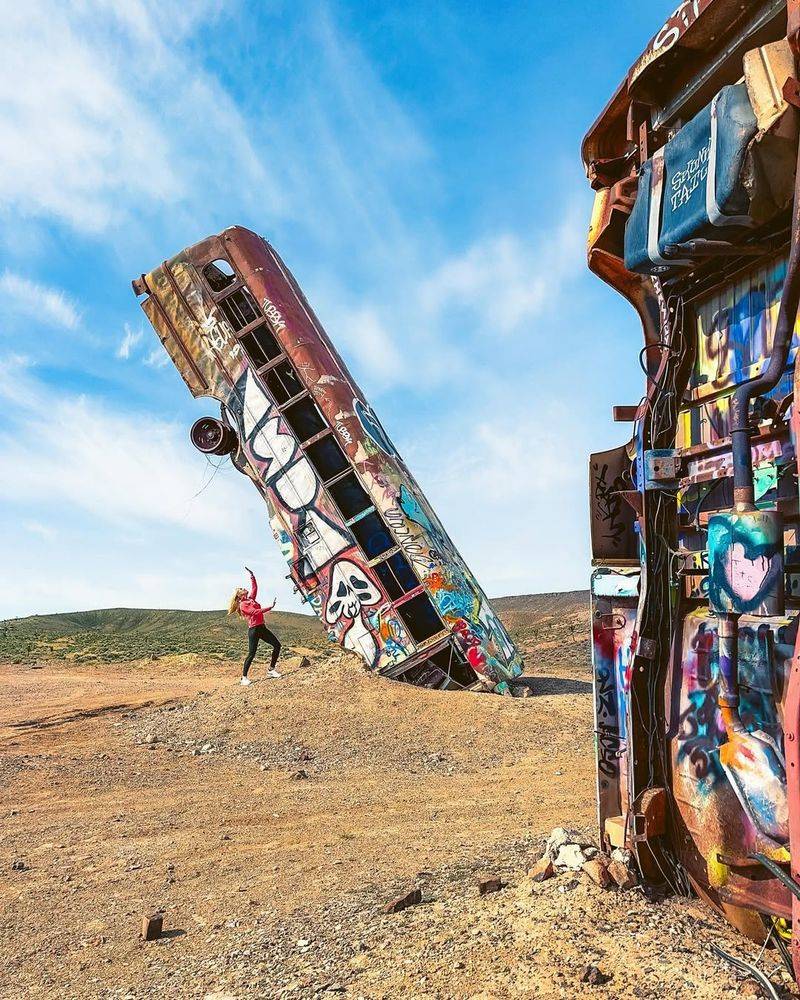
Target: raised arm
pixel 253 584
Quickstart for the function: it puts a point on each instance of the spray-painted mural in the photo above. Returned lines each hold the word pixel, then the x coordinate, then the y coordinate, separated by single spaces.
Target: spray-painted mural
pixel 697 666
pixel 363 545
pixel 739 798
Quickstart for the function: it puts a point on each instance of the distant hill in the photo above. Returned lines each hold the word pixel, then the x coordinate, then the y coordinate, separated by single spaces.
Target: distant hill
pixel 548 628
pixel 538 607
pixel 131 633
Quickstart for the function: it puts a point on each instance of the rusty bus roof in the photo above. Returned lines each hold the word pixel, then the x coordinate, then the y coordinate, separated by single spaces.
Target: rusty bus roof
pixel 685 42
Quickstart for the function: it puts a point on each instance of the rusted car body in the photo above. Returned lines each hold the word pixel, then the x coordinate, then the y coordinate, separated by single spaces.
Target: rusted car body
pixel 363 545
pixel 694 517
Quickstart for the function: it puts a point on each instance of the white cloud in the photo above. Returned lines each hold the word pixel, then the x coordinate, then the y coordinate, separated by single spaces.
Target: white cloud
pixel 431 329
pixel 128 342
pixel 122 513
pixel 157 358
pixel 361 332
pixel 126 469
pixel 121 119
pixel 40 302
pixel 505 280
pixel 52 585
pixel 44 531
pixel 101 116
pixel 512 496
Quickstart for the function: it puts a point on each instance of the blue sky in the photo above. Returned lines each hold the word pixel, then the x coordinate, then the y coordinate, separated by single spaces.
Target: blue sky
pixel 416 165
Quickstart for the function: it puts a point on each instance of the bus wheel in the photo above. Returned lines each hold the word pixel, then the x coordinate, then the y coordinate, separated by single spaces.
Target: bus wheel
pixel 212 437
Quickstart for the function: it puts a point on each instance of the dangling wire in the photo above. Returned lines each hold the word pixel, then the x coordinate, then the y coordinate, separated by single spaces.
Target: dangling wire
pixel 216 469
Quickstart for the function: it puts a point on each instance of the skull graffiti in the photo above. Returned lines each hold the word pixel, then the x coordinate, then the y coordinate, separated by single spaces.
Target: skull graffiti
pixel 351 591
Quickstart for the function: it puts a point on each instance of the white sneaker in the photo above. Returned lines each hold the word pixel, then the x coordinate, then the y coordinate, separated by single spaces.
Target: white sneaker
pixel 273 673
pixel 245 682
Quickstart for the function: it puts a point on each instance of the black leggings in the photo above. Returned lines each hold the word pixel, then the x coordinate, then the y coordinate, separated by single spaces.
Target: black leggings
pixel 253 636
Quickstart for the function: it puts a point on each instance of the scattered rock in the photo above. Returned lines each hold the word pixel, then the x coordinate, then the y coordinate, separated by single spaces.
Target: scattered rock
pixel 593 976
pixel 618 854
pixel 558 839
pixel 403 902
pixel 150 739
pixel 542 870
pixel 300 775
pixel 622 875
pixel 18 865
pixel 152 926
pixel 597 870
pixel 571 857
pixel 487 885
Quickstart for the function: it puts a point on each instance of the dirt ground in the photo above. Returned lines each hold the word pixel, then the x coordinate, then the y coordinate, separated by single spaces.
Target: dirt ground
pixel 272 823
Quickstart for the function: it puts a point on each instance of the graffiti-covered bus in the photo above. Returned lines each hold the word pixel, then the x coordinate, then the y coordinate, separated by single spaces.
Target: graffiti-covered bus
pixel 363 546
pixel 694 514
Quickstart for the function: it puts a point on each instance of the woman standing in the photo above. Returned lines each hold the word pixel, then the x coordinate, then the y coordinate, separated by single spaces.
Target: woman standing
pixel 247 607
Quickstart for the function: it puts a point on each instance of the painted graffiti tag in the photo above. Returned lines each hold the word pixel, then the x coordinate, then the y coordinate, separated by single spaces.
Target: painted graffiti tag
pixel 608 503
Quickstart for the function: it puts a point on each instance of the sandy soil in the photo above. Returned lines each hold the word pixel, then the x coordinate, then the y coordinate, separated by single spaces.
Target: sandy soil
pixel 272 823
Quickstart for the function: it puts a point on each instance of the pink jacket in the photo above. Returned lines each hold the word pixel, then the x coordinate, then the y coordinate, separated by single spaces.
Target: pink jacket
pixel 250 607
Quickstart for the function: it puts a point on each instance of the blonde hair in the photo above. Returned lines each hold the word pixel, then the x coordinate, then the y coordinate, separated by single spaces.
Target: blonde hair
pixel 233 606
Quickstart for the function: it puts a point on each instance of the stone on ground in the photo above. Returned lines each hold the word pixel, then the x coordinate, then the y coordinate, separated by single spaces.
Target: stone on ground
pixel 403 902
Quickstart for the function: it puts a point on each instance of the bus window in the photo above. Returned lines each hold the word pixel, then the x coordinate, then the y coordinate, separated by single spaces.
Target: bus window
pixel 420 617
pixel 260 346
pixel 219 274
pixel 350 496
pixel 283 383
pixel 240 309
pixel 327 457
pixel 304 418
pixel 372 535
pixel 396 575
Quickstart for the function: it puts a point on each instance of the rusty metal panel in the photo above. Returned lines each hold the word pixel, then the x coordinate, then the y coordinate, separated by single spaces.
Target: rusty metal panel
pixel 710 674
pixel 612 518
pixel 614 601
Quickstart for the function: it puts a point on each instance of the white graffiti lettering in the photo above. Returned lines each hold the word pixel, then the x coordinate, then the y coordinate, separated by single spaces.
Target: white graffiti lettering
pixel 273 314
pixel 686 181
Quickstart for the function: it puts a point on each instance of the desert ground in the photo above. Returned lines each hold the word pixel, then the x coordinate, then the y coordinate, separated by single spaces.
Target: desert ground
pixel 272 824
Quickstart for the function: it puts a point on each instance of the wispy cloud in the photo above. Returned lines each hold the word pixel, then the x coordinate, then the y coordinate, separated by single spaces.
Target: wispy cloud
pixel 110 117
pixel 524 494
pixel 127 469
pixel 507 280
pixel 157 358
pixel 126 125
pixel 129 341
pixel 40 302
pixel 437 325
pixel 44 531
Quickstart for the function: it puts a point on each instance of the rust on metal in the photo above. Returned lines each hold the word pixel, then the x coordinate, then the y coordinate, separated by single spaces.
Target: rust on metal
pixel 695 520
pixel 363 546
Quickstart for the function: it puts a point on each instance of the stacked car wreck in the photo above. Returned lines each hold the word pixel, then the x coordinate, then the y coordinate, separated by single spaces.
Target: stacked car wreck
pixel 694 519
pixel 363 545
